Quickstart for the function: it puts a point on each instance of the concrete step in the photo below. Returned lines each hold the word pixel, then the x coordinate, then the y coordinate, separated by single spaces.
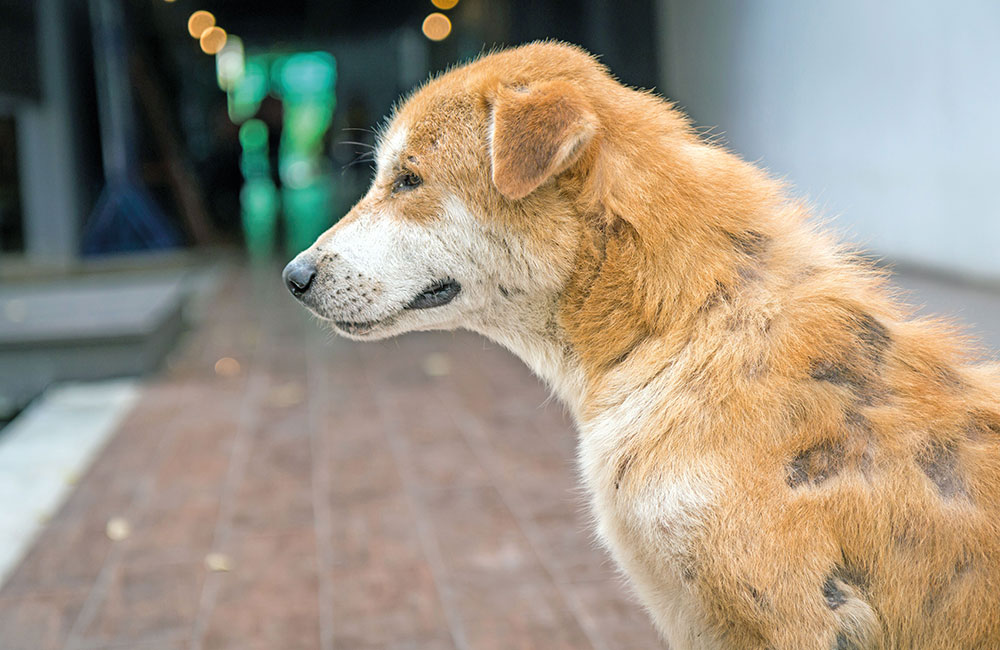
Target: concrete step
pixel 89 328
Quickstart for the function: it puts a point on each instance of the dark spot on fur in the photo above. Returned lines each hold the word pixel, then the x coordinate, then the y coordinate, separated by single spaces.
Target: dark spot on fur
pixel 948 378
pixel 748 273
pixel 907 536
pixel 623 467
pixel 846 581
pixel 865 390
pixel 816 464
pixel 858 369
pixel 832 594
pixel 719 295
pixel 758 598
pixel 874 336
pixel 945 584
pixel 755 368
pixel 837 373
pixel 504 291
pixel 689 569
pixel 751 243
pixel 860 436
pixel 856 422
pixel 851 573
pixel 629 349
pixel 939 461
pixel 984 423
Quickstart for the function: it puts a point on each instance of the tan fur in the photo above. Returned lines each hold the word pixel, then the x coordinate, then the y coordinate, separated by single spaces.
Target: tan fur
pixel 778 454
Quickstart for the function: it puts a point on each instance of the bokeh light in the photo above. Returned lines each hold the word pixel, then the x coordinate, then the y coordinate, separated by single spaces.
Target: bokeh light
pixel 227 367
pixel 230 63
pixel 253 135
pixel 200 21
pixel 437 26
pixel 444 4
pixel 213 40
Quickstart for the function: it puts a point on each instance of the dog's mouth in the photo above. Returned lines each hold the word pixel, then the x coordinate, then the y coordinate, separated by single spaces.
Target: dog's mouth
pixel 438 294
pixel 358 329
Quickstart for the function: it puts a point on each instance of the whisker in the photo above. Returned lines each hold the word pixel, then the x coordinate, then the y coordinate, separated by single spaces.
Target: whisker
pixel 354 142
pixel 360 159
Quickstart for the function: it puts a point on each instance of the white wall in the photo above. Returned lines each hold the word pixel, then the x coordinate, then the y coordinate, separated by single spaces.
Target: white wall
pixel 884 113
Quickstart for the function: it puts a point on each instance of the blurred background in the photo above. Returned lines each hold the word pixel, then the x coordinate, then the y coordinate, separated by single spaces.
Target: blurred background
pixel 190 461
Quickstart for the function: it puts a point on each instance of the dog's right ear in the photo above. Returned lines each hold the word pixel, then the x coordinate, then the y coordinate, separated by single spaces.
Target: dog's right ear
pixel 537 133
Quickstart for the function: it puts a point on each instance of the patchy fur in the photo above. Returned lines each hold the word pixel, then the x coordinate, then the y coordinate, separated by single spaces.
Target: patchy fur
pixel 778 455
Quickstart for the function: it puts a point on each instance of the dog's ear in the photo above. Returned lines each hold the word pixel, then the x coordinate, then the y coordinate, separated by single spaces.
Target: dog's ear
pixel 537 132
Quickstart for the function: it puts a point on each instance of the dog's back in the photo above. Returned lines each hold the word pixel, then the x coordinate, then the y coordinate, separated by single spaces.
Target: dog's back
pixel 852 458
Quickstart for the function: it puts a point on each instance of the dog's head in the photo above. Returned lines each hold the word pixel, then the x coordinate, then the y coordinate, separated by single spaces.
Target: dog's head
pixel 464 217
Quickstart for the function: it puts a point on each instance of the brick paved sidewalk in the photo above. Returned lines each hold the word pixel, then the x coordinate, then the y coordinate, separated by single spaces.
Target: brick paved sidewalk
pixel 417 493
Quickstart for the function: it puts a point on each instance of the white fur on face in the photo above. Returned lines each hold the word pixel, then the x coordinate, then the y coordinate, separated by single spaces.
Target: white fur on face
pixel 372 266
pixel 378 262
pixel 390 149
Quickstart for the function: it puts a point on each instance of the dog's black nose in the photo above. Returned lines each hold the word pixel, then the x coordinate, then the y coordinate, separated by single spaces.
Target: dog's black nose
pixel 298 275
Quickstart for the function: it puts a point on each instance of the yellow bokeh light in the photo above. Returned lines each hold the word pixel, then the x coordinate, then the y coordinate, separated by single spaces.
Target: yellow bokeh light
pixel 437 27
pixel 444 4
pixel 227 367
pixel 213 40
pixel 199 22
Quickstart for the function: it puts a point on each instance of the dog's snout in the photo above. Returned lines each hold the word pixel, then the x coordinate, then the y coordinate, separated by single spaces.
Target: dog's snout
pixel 298 276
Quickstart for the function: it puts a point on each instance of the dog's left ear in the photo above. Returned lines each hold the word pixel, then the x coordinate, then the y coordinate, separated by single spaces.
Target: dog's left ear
pixel 536 134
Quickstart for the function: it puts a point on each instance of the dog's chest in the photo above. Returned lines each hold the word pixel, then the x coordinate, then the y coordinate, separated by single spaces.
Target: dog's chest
pixel 651 523
pixel 637 476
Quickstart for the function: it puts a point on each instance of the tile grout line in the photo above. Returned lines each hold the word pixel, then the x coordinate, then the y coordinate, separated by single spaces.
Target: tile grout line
pixel 223 530
pixel 99 589
pixel 427 538
pixel 316 386
pixel 245 433
pixel 483 452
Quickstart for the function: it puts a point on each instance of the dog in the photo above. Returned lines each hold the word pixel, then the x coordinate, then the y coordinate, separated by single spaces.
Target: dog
pixel 778 454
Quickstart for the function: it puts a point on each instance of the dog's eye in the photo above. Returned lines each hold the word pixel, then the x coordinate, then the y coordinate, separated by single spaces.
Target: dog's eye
pixel 406 181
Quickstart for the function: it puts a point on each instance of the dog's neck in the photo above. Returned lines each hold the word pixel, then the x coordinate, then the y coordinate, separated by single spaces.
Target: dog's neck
pixel 648 269
pixel 533 333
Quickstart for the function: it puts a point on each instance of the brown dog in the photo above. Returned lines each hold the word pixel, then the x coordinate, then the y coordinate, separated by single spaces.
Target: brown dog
pixel 777 454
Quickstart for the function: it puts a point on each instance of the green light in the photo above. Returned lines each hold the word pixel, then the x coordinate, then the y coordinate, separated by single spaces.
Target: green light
pixel 307 74
pixel 259 201
pixel 305 124
pixel 248 92
pixel 308 212
pixel 260 198
pixel 253 135
pixel 255 165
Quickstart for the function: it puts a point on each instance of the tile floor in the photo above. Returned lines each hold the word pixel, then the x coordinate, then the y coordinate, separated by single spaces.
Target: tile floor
pixel 314 493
